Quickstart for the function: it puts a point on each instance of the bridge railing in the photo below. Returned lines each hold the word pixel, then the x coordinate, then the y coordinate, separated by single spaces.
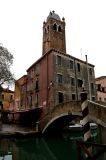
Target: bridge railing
pixel 97 112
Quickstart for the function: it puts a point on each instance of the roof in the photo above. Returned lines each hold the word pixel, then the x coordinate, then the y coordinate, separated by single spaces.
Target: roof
pixel 67 55
pixel 100 78
pixel 22 80
pixel 53 15
pixel 7 90
pixel 24 76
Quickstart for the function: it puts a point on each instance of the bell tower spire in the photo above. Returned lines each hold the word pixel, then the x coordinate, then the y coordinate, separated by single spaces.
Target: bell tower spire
pixel 54 33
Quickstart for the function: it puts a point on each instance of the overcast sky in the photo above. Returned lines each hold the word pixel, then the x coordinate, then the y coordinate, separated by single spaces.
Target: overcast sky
pixel 21 23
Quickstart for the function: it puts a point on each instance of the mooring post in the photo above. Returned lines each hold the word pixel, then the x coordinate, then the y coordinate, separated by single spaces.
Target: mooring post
pixel 85 120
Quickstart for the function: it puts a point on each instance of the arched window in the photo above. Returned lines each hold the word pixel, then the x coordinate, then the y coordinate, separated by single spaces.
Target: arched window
pixel 55 27
pixel 48 28
pixel 59 28
pixel 45 30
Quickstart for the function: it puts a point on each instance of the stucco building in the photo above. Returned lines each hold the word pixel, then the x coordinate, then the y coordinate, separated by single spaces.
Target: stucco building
pixel 7 99
pixel 57 77
pixel 20 93
pixel 101 88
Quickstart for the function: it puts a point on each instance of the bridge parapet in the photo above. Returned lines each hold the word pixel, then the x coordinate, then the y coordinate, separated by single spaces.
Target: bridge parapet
pixel 97 113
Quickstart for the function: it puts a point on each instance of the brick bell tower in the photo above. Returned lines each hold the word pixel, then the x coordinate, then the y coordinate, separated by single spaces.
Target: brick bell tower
pixel 54 33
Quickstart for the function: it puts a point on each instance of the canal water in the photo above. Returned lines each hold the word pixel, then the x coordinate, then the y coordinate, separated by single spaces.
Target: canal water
pixel 62 147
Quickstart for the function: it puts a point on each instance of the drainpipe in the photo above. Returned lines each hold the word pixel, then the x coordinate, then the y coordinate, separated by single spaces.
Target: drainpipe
pixel 89 87
pixel 76 81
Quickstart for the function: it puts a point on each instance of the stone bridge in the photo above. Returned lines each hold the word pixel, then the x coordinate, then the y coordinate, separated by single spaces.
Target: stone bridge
pixel 63 113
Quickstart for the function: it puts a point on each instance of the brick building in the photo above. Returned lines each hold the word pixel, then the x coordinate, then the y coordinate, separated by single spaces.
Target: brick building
pixel 57 77
pixel 101 88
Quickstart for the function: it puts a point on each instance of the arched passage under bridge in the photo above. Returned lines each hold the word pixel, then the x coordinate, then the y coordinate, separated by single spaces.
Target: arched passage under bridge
pixel 57 124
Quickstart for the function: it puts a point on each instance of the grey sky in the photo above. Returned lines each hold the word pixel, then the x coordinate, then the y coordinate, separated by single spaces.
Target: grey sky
pixel 21 24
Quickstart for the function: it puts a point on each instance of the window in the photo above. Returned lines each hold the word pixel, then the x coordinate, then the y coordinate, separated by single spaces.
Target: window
pixel 48 27
pixel 72 81
pixel 2 96
pixel 99 87
pixel 27 101
pixel 93 98
pixel 32 73
pixel 60 97
pixel 73 96
pixel 103 89
pixel 92 86
pixel 30 99
pixel 90 71
pixel 36 99
pixel 37 84
pixel 60 78
pixel 71 64
pixel 45 30
pixel 55 27
pixel 59 60
pixel 78 67
pixel 11 97
pixel 21 103
pixel 37 69
pixel 59 28
pixel 79 82
pixel 99 98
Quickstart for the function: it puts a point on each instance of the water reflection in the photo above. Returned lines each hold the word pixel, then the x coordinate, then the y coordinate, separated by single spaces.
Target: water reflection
pixel 58 148
pixel 5 150
pixel 36 149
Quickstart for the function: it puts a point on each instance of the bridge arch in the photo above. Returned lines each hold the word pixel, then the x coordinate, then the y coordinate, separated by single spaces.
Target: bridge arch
pixel 97 113
pixel 60 121
pixel 58 113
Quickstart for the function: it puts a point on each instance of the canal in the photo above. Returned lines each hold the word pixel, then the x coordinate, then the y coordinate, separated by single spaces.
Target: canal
pixel 62 147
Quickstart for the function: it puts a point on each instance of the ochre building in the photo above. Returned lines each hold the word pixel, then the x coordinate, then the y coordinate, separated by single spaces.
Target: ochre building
pixel 7 99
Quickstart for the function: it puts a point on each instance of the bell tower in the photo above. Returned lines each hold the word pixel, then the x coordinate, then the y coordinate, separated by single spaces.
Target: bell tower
pixel 54 33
